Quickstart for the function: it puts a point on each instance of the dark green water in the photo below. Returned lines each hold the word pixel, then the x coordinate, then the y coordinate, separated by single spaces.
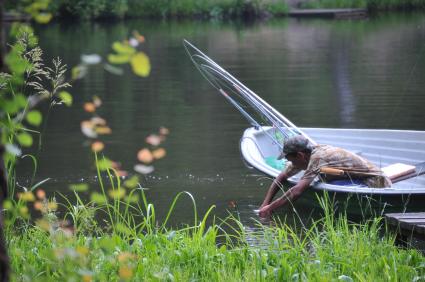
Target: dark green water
pixel 318 73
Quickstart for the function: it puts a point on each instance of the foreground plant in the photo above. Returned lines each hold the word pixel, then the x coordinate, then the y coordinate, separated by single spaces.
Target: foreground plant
pixel 331 250
pixel 28 83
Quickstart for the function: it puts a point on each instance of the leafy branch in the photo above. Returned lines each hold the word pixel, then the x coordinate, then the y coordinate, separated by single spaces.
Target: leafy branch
pixel 27 83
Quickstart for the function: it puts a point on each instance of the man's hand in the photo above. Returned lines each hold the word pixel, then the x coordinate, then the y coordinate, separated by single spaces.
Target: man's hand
pixel 290 196
pixel 265 211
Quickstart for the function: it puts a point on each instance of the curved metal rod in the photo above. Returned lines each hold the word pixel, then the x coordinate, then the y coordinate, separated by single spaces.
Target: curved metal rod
pixel 219 77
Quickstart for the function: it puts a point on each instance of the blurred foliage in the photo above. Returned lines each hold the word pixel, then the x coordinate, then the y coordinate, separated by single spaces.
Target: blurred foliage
pixel 395 4
pixel 97 9
pixel 39 10
pixel 43 10
pixel 372 5
pixel 127 51
pixel 27 83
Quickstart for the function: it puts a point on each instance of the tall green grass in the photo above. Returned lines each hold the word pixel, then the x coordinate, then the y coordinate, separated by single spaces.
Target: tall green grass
pixel 138 248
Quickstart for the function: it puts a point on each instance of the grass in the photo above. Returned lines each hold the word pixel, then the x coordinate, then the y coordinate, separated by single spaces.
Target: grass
pixel 132 245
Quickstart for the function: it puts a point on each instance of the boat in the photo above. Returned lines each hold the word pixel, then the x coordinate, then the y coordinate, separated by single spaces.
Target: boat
pixel 262 143
pixel 381 147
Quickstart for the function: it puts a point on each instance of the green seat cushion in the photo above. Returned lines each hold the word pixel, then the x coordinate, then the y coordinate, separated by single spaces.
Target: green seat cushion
pixel 275 163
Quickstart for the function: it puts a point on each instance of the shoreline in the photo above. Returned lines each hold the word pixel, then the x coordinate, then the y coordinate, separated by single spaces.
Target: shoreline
pixel 243 12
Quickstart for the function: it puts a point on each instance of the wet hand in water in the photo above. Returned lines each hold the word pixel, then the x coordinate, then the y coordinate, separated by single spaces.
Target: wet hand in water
pixel 265 211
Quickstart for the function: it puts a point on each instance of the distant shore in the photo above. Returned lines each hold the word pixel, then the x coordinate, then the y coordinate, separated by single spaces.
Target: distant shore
pixel 219 9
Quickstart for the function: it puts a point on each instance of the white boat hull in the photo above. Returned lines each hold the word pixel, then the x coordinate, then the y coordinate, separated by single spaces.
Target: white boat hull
pixel 382 147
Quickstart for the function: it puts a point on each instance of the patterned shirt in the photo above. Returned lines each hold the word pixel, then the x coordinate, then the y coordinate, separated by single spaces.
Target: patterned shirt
pixel 354 166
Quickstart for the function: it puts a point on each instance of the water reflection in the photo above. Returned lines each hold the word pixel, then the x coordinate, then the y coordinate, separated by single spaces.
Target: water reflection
pixel 342 84
pixel 318 73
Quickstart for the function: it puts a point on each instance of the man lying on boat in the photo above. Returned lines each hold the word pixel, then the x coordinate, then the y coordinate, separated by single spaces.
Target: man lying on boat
pixel 322 161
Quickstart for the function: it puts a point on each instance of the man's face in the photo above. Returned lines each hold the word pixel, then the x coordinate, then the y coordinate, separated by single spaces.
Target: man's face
pixel 299 159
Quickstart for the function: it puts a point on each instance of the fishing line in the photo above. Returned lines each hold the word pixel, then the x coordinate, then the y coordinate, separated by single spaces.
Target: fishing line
pixel 247 97
pixel 228 85
pixel 240 108
pixel 219 84
pixel 202 67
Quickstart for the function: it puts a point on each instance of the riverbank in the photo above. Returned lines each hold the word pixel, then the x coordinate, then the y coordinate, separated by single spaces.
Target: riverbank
pixel 219 9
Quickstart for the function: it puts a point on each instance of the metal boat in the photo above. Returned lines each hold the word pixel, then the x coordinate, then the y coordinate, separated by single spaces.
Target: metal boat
pixel 381 147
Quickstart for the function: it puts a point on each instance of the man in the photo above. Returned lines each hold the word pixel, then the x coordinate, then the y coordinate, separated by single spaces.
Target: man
pixel 320 160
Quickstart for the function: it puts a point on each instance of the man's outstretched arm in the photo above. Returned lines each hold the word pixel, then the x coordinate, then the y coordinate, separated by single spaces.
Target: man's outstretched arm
pixel 274 188
pixel 290 196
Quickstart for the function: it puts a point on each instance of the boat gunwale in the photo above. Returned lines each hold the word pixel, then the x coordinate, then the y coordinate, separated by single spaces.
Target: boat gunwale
pixel 320 186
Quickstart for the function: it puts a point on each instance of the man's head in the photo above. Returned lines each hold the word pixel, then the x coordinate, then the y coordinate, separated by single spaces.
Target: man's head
pixel 297 149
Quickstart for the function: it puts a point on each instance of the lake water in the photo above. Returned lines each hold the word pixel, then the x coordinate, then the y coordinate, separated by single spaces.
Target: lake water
pixel 318 73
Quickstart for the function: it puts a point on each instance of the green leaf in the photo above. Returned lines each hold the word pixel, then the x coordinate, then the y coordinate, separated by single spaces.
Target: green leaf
pixel 43 18
pixel 8 205
pixel 123 49
pixel 119 59
pixel 80 187
pixel 18 29
pixel 10 107
pixel 66 98
pixel 132 182
pixel 140 64
pixel 21 101
pixel 98 198
pixel 33 8
pixel 104 164
pixel 24 139
pixel 13 106
pixel 107 244
pixel 79 72
pixel 123 229
pixel 16 63
pixel 133 198
pixel 118 193
pixel 34 118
